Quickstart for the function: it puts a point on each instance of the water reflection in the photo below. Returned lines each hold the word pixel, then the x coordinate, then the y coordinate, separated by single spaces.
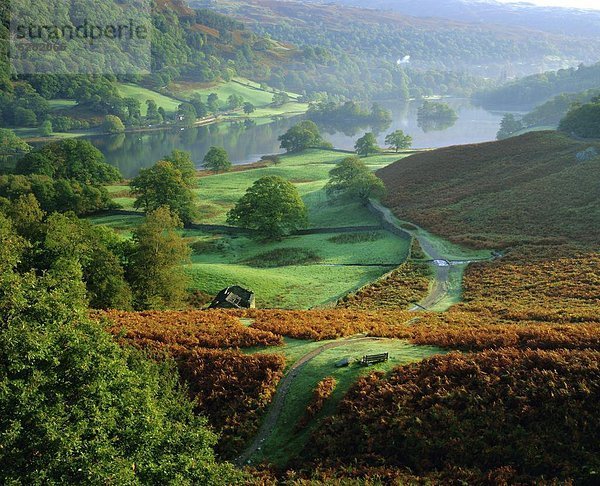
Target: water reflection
pixel 473 125
pixel 244 142
pixel 248 142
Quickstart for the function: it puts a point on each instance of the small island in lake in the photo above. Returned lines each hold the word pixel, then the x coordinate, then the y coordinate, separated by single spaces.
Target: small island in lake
pixel 436 116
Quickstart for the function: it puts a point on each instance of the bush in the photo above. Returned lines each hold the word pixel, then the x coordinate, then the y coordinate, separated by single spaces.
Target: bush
pixel 113 124
pixel 583 121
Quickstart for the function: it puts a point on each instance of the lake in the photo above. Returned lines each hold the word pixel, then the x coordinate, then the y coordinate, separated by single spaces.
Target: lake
pixel 132 151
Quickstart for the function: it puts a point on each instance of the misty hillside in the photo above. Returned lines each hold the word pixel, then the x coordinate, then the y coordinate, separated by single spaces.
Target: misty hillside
pixel 549 19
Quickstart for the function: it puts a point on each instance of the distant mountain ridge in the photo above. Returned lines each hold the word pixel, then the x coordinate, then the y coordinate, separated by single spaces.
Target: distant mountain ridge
pixel 570 21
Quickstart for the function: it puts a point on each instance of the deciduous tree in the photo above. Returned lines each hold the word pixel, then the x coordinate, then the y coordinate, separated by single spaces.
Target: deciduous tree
pixel 366 145
pixel 398 140
pixel 272 206
pixel 217 160
pixel 302 136
pixel 165 184
pixel 155 268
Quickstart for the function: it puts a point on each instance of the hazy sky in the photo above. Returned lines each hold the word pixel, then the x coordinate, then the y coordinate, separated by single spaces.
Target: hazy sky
pixel 593 4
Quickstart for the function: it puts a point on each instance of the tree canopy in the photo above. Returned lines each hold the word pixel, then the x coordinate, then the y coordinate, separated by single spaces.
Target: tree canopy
pixel 508 126
pixel 352 178
pixel 583 120
pixel 217 160
pixel 366 145
pixel 272 206
pixel 302 136
pixel 72 159
pixel 113 124
pixel 10 143
pixel 155 261
pixel 77 408
pixel 398 140
pixel 168 183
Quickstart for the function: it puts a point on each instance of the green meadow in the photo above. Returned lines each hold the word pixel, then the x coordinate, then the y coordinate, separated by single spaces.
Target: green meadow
pixel 300 271
pixel 249 90
pixel 169 104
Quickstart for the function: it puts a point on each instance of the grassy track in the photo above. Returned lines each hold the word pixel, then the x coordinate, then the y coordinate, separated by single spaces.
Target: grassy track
pixel 446 288
pixel 284 441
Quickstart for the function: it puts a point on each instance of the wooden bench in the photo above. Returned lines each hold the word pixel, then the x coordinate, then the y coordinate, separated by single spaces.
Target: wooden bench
pixel 371 359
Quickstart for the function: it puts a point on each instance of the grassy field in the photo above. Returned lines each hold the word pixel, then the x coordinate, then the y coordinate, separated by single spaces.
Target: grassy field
pixel 142 94
pixel 221 260
pixel 266 113
pixel 250 92
pixel 61 104
pixel 245 88
pixel 296 286
pixel 34 134
pixel 309 171
pixel 284 443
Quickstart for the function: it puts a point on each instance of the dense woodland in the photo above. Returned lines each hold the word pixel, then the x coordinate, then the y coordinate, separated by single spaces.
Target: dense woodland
pixel 350 51
pixel 186 44
pixel 539 88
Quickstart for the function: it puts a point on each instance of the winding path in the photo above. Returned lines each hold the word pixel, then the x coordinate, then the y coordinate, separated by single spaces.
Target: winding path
pixel 443 267
pixel 276 407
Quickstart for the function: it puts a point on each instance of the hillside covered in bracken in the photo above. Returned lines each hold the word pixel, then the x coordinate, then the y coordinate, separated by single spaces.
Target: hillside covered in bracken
pixel 530 189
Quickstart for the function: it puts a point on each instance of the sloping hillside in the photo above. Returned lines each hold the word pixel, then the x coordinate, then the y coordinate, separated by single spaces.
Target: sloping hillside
pixel 354 51
pixel 523 14
pixel 528 189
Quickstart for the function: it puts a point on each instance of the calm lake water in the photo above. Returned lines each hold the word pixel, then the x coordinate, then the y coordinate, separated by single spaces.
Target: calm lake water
pixel 133 151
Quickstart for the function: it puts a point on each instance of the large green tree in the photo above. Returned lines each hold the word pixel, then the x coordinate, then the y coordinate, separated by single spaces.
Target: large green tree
pixel 71 159
pixel 113 124
pixel 302 136
pixel 157 255
pixel 217 160
pixel 272 206
pixel 366 145
pixel 75 407
pixel 183 162
pixel 508 126
pixel 352 178
pixel 168 183
pixel 398 140
pixel 186 114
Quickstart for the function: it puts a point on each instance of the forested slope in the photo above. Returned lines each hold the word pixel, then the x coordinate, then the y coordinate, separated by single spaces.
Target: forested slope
pixel 355 50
